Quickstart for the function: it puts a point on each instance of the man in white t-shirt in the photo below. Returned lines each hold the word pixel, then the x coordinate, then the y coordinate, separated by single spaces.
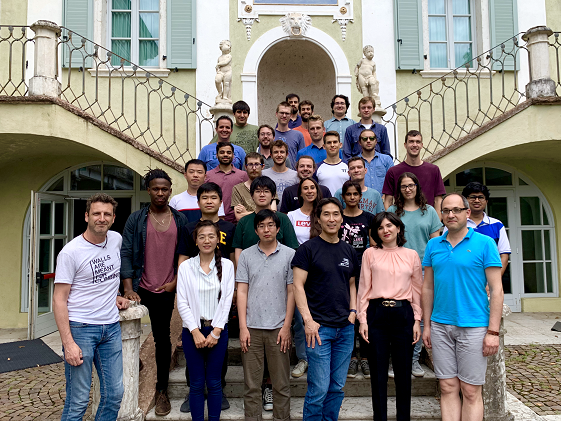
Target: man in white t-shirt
pixel 332 172
pixel 186 202
pixel 86 309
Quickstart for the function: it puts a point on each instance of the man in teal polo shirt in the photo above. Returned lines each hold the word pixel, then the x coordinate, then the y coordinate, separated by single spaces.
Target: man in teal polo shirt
pixel 461 322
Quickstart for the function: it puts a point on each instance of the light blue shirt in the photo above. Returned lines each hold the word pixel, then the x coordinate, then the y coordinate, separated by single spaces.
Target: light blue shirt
pixel 377 169
pixel 208 155
pixel 339 126
pixel 371 201
pixel 460 298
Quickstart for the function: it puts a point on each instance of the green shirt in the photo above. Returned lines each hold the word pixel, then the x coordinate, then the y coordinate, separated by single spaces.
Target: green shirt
pixel 245 235
pixel 245 137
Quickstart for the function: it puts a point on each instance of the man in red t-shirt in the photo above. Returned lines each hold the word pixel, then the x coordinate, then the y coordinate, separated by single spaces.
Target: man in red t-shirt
pixel 428 174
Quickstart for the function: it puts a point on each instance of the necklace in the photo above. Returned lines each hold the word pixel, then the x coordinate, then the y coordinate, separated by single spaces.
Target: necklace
pixel 97 245
pixel 162 224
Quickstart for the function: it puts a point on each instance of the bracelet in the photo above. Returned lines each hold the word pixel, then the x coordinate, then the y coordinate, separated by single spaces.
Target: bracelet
pixel 492 332
pixel 214 336
pixel 353 311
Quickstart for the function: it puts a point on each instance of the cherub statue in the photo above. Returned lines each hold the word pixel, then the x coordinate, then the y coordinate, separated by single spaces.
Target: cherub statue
pixel 223 79
pixel 365 72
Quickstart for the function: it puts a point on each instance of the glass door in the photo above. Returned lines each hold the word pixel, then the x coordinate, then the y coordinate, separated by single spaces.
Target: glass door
pixel 49 234
pixel 501 206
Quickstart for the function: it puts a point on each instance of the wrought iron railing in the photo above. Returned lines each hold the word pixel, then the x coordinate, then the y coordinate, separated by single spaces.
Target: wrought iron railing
pixel 464 99
pixel 132 99
pixel 556 62
pixel 14 43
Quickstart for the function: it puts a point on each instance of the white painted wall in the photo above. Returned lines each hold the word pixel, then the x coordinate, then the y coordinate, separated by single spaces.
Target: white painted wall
pixel 378 31
pixel 530 14
pixel 213 25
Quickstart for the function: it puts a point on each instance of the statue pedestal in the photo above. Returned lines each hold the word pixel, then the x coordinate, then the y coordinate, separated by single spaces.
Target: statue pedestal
pixel 221 109
pixel 378 114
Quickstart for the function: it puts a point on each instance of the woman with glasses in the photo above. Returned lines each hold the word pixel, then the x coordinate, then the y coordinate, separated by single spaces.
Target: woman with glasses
pixel 205 286
pixel 389 311
pixel 304 220
pixel 421 224
pixel 355 230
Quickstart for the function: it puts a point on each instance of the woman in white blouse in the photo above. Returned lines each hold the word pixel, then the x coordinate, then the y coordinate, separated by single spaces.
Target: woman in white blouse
pixel 205 286
pixel 304 220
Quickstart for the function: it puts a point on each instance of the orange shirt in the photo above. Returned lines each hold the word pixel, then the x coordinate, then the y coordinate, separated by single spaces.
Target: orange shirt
pixel 393 273
pixel 306 134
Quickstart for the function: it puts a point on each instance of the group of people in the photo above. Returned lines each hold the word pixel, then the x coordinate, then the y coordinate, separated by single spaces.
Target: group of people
pixel 354 253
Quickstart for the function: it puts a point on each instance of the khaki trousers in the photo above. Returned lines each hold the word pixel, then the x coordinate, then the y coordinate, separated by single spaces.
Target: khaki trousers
pixel 264 342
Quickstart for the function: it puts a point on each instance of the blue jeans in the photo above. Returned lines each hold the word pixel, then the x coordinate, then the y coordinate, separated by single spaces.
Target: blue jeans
pixel 102 346
pixel 419 345
pixel 299 335
pixel 328 364
pixel 205 367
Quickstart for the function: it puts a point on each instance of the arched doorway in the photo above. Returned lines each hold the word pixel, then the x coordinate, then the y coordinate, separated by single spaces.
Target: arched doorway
pixel 294 66
pixel 527 216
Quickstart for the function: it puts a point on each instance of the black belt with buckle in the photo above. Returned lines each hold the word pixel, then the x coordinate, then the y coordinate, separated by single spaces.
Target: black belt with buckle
pixel 390 303
pixel 206 323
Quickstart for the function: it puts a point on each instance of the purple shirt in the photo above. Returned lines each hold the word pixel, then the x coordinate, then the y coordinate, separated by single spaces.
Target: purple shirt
pixel 159 255
pixel 428 175
pixel 227 181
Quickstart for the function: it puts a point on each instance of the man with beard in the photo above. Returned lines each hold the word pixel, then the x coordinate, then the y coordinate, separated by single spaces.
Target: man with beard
pixel 282 176
pixel 295 119
pixel 224 126
pixel 266 135
pixel 339 106
pixel 305 167
pixel 377 164
pixel 242 202
pixel 243 134
pixel 293 138
pixel 351 146
pixel 226 176
pixel 306 109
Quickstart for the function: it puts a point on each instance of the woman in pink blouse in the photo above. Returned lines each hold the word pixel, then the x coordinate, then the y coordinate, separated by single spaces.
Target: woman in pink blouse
pixel 389 311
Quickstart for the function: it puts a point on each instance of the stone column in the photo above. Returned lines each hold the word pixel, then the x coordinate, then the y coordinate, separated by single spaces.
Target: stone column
pixel 541 84
pixel 130 334
pixel 494 390
pixel 44 81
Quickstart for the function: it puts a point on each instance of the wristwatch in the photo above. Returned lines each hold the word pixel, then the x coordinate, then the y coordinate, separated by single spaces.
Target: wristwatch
pixel 353 311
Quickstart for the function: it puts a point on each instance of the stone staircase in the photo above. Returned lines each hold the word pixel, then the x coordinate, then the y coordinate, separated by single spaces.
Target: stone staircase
pixel 357 404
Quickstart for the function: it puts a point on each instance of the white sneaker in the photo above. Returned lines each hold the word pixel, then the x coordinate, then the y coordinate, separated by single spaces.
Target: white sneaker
pixel 417 370
pixel 390 371
pixel 268 399
pixel 300 368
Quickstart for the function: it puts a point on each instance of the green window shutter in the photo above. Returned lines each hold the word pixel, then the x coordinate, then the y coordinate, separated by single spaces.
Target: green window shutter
pixel 503 25
pixel 181 32
pixel 78 17
pixel 409 34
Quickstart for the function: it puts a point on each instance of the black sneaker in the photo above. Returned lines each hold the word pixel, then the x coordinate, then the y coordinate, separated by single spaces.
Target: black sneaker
pixel 268 399
pixel 186 406
pixel 225 403
pixel 353 369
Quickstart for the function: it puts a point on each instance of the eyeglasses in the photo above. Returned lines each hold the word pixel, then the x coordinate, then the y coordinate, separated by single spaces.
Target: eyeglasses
pixel 408 187
pixel 270 225
pixel 253 165
pixel 474 198
pixel 455 211
pixel 265 191
pixel 365 138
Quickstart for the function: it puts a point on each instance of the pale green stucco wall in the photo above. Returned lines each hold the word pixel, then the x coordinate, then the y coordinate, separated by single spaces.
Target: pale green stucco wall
pixel 39 141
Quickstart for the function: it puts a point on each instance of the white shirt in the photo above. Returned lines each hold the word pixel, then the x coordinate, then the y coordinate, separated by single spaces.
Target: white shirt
pixel 188 295
pixel 186 202
pixel 301 223
pixel 332 176
pixel 93 272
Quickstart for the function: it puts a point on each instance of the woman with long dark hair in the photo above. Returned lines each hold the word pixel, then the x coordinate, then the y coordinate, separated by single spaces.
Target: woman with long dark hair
pixel 389 311
pixel 205 286
pixel 421 224
pixel 304 219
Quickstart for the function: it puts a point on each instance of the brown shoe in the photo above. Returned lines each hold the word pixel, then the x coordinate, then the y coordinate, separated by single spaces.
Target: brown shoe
pixel 163 406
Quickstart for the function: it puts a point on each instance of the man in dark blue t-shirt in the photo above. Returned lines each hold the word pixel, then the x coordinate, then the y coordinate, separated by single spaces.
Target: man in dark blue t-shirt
pixel 325 270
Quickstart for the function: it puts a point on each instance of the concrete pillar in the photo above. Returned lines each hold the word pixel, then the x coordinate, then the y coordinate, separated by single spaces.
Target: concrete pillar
pixel 494 390
pixel 44 81
pixel 541 84
pixel 130 334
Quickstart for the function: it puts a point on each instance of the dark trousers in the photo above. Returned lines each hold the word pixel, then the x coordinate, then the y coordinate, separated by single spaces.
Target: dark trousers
pixel 206 366
pixel 160 308
pixel 224 371
pixel 390 332
pixel 363 345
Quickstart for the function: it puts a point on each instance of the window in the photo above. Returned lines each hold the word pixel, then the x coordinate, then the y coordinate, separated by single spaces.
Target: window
pixel 134 31
pixel 450 33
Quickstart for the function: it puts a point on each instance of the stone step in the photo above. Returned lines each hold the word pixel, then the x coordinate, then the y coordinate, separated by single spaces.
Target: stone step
pixel 423 408
pixel 357 387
